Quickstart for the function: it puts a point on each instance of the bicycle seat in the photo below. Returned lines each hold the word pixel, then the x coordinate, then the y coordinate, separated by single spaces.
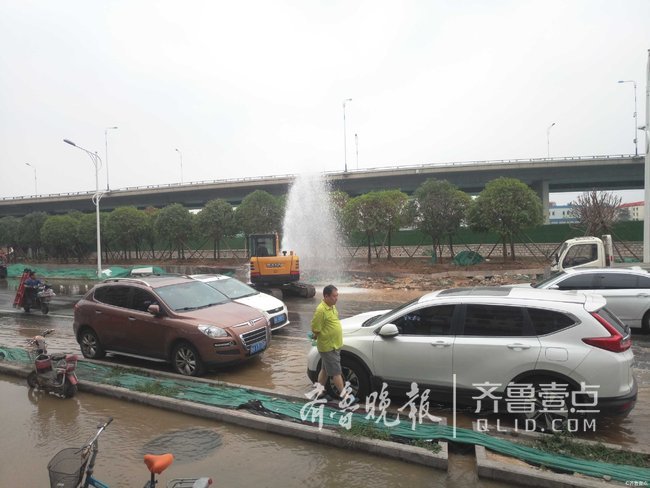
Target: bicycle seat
pixel 157 463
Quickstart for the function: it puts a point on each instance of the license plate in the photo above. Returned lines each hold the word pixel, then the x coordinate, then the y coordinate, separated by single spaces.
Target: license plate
pixel 279 319
pixel 258 346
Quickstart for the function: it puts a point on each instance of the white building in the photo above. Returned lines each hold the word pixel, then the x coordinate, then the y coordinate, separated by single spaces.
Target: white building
pixel 635 209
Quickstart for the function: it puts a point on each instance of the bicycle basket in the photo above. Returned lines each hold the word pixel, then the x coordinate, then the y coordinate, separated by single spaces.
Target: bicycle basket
pixel 66 468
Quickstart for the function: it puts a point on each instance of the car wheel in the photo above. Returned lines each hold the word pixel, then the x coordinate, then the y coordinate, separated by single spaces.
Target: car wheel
pixel 186 360
pixel 45 308
pixel 645 323
pixel 550 421
pixel 91 348
pixel 355 374
pixel 31 380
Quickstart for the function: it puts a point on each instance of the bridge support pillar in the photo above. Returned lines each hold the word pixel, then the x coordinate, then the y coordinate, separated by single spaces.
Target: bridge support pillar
pixel 541 188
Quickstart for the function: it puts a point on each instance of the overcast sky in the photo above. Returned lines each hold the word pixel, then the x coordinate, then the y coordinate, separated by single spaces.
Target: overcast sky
pixel 252 88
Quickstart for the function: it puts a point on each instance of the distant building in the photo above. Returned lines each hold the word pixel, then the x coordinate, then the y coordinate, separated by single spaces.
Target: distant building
pixel 635 209
pixel 560 214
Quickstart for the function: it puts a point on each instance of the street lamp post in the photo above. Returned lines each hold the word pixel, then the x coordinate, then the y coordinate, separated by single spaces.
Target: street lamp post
pixel 548 140
pixel 636 146
pixel 108 188
pixel 356 144
pixel 35 184
pixel 181 155
pixel 94 157
pixel 345 142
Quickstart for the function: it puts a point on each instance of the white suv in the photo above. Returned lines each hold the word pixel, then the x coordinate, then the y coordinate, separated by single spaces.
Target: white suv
pixel 495 335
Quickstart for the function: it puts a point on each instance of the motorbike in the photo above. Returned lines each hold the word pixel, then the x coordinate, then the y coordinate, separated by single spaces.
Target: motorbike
pixel 39 297
pixel 54 373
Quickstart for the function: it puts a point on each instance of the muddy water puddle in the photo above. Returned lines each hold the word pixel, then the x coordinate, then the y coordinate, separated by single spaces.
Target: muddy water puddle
pixel 35 427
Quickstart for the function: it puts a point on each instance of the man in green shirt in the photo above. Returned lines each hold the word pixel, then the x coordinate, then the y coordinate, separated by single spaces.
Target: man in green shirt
pixel 328 333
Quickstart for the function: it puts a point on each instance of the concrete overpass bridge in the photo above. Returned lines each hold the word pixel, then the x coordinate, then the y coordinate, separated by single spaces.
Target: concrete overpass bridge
pixel 614 172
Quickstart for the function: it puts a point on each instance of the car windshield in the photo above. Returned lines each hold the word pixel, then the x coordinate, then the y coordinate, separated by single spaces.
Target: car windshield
pixel 232 288
pixel 377 318
pixel 190 296
pixel 553 277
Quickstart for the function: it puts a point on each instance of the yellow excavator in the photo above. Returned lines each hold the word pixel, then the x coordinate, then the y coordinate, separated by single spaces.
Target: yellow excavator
pixel 273 269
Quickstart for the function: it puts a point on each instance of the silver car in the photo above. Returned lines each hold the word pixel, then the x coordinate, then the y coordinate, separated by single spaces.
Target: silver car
pixel 627 290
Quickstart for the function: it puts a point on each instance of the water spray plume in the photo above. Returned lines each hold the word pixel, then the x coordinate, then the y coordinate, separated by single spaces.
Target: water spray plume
pixel 310 228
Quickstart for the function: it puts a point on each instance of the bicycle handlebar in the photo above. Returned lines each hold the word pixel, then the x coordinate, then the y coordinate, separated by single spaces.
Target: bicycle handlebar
pixel 100 429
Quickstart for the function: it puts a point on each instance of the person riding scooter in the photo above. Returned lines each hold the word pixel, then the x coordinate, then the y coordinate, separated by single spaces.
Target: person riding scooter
pixel 31 290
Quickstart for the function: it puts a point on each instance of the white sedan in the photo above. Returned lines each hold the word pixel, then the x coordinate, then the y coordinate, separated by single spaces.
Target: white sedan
pixel 242 293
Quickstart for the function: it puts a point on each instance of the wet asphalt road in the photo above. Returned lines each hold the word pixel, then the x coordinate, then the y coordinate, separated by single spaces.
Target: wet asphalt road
pixel 283 366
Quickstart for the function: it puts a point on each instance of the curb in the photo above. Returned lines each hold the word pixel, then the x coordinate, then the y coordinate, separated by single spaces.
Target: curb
pixel 531 475
pixel 241 418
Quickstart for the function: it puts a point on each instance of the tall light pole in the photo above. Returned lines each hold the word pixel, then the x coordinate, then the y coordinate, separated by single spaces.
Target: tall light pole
pixel 356 144
pixel 35 185
pixel 646 169
pixel 181 155
pixel 636 146
pixel 94 157
pixel 345 142
pixel 548 140
pixel 108 188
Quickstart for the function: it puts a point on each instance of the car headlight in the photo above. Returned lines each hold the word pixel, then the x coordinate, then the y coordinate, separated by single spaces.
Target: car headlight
pixel 213 331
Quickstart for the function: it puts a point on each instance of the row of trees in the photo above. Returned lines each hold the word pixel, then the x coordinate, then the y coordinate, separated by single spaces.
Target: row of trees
pixel 438 209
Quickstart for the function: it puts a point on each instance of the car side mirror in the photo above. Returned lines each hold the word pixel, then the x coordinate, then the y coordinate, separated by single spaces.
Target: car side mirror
pixel 554 287
pixel 154 309
pixel 389 330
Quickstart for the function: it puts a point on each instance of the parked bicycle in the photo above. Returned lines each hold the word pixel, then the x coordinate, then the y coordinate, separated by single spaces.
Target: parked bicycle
pixel 73 467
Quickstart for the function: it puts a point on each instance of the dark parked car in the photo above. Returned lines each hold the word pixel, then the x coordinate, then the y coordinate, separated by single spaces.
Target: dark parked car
pixel 170 318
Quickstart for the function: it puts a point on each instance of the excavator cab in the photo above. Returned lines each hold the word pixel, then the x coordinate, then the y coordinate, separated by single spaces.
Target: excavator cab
pixel 270 266
pixel 274 271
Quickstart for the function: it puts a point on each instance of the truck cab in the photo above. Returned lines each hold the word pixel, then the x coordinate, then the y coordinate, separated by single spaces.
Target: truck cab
pixel 584 252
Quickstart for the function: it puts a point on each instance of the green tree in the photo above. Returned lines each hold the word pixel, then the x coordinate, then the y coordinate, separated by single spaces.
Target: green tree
pixel 29 232
pixel 440 209
pixel 58 235
pixel 174 223
pixel 259 213
pixel 9 232
pixel 149 229
pixel 86 235
pixel 339 200
pixel 506 206
pixel 393 213
pixel 216 221
pixel 125 228
pixel 363 214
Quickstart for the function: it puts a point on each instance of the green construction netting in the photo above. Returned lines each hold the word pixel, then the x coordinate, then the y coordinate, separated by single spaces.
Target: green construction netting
pixel 86 273
pixel 467 258
pixel 305 411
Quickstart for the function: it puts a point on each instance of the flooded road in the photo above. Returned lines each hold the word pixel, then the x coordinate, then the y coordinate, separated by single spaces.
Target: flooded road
pixel 38 427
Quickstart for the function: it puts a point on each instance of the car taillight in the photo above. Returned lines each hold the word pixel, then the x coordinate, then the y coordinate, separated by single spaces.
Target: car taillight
pixel 615 342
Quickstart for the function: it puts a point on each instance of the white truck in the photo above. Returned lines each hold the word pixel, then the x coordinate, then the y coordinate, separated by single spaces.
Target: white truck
pixel 585 252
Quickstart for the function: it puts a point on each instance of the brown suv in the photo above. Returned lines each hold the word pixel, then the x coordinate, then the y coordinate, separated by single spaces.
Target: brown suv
pixel 170 318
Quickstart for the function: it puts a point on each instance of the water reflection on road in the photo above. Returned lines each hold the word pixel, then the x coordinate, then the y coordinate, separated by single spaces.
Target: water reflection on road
pixel 36 427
